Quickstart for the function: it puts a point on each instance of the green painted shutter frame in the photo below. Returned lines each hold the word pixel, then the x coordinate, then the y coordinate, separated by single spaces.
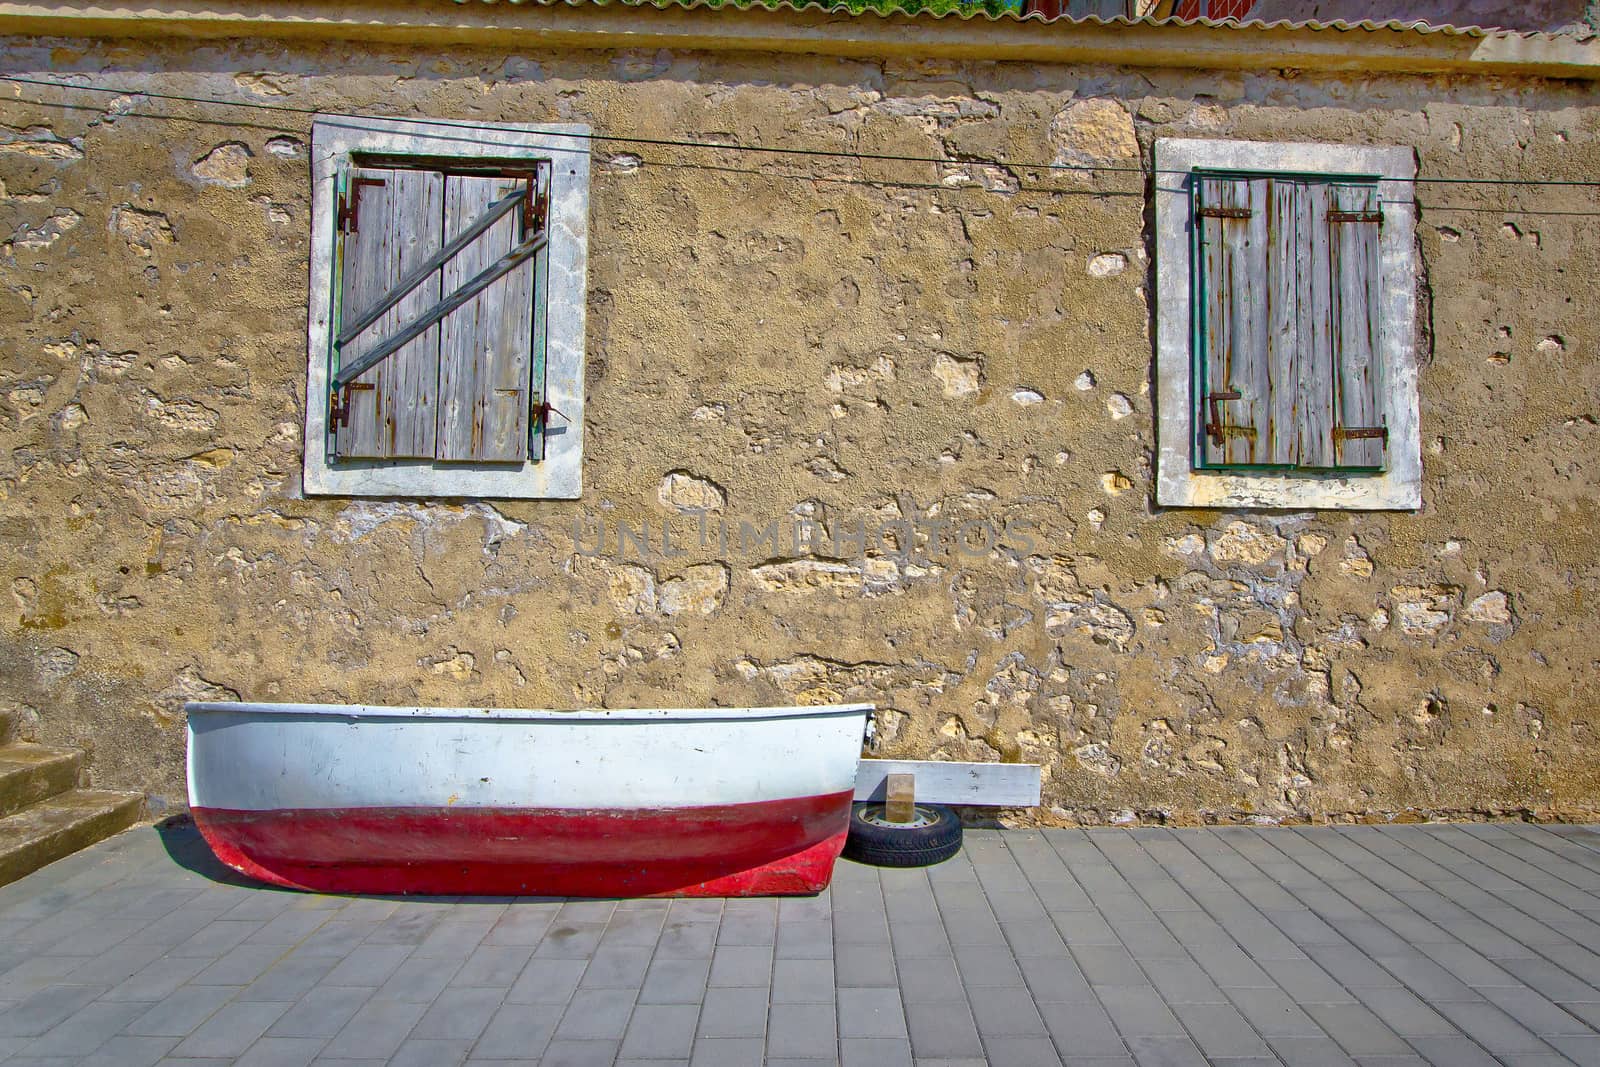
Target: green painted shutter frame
pixel 1286 324
pixel 390 222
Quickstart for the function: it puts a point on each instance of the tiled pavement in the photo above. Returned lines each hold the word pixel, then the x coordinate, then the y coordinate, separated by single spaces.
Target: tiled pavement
pixel 1453 945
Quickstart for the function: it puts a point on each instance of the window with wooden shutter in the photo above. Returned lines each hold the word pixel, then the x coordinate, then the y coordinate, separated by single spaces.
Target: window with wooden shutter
pixel 436 345
pixel 1286 325
pixel 1286 322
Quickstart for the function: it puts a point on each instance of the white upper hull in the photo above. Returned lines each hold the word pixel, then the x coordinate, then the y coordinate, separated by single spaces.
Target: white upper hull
pixel 268 757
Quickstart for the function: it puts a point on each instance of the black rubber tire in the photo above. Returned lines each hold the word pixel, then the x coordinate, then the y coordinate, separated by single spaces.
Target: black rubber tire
pixel 911 846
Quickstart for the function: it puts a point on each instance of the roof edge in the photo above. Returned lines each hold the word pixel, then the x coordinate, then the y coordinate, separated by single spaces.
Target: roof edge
pixel 1357 49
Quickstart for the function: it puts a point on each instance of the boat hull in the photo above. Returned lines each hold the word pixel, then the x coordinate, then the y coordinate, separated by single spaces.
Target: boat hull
pixel 728 802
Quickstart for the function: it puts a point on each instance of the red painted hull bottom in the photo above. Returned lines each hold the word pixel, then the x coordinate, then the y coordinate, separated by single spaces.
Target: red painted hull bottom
pixel 768 848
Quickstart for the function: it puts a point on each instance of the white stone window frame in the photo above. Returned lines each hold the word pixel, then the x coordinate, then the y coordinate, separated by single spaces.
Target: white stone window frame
pixel 565 146
pixel 1179 482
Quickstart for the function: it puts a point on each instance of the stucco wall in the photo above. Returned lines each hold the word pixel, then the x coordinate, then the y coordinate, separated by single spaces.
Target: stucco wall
pixel 803 336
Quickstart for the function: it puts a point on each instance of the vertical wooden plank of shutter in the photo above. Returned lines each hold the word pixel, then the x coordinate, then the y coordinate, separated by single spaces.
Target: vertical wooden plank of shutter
pixel 1353 274
pixel 1235 322
pixel 392 406
pixel 1283 335
pixel 1315 406
pixel 485 345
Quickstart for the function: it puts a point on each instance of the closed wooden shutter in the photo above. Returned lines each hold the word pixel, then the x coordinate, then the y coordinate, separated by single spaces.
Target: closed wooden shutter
pixel 1359 436
pixel 393 221
pixel 437 280
pixel 1286 323
pixel 486 345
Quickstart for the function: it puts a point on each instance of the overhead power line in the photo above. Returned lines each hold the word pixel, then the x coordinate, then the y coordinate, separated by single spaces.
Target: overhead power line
pixel 719 146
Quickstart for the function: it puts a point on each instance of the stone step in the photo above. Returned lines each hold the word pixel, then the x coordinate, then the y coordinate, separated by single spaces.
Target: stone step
pixel 8 725
pixel 62 825
pixel 31 773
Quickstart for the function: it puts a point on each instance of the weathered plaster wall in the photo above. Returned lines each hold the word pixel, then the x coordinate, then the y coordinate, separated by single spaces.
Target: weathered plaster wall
pixel 849 342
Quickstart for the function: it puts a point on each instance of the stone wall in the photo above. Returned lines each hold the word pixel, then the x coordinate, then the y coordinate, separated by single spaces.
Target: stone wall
pixel 865 348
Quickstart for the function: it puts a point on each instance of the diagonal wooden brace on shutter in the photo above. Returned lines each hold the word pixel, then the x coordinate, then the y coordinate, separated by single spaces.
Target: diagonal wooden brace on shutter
pixel 525 251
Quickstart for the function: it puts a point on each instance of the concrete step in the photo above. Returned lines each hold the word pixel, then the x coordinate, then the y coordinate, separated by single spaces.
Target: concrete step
pixel 62 825
pixel 31 773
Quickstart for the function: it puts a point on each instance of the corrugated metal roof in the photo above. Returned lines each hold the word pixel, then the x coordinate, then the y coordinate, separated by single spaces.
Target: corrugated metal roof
pixel 1416 26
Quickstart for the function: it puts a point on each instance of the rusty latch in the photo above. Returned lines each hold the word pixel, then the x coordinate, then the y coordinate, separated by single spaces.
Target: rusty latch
pixel 339 403
pixel 350 204
pixel 1219 432
pixel 542 412
pixel 1356 216
pixel 1351 433
pixel 1224 212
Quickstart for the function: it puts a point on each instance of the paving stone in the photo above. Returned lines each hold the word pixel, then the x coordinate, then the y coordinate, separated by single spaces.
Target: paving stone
pixel 741 965
pixel 322 1012
pixel 85 1030
pixel 418 979
pixel 726 1052
pixel 871 1013
pixel 181 1013
pixel 661 1031
pixel 801 1031
pixel 1022 1051
pixel 459 1014
pixel 1220 1030
pixel 1138 1011
pixel 124 1050
pixel 1358 1030
pixel 939 1030
pixel 38 1013
pixel 804 981
pixel 686 940
pixel 874 1052
pixel 561 1053
pixel 232 1030
pixel 492 966
pixel 547 981
pixel 429 1052
pixel 1003 1012
pixel 597 1015
pixel 1166 1052
pixel 675 981
pixel 864 965
pixel 1309 1052
pixel 733 1013
pixel 376 1030
pixel 805 939
pixel 288 1052
pixel 518 1031
pixel 980 966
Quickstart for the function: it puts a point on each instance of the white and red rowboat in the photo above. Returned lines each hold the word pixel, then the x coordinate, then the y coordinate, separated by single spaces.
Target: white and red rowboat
pixel 673 802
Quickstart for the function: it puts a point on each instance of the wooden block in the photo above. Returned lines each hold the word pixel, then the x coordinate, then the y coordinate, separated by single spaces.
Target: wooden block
pixel 900 803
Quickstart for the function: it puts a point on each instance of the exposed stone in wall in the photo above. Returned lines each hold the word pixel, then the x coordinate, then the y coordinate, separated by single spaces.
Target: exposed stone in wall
pixel 227 165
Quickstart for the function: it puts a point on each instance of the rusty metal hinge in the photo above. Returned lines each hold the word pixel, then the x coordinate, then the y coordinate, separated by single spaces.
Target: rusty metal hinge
pixel 1356 216
pixel 1352 433
pixel 1224 212
pixel 535 209
pixel 1218 431
pixel 350 204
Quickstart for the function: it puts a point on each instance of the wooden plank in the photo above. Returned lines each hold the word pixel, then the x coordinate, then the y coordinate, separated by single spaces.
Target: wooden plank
pixel 1234 251
pixel 1314 408
pixel 1283 334
pixel 1354 324
pixel 392 408
pixel 1003 785
pixel 486 345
